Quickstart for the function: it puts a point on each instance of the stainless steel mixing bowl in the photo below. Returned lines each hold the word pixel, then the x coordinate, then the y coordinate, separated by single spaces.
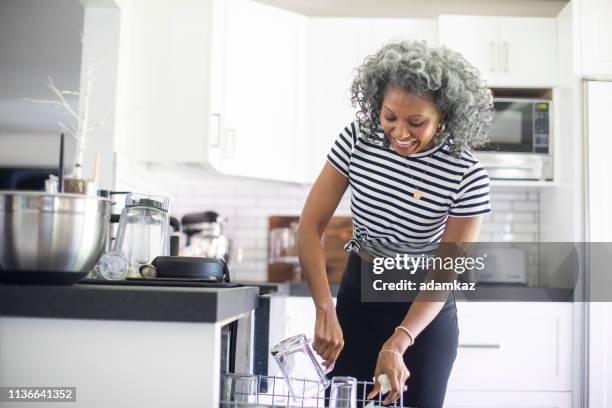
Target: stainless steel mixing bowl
pixel 56 238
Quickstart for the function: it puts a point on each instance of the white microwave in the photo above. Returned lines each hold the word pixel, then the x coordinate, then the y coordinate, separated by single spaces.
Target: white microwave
pixel 520 141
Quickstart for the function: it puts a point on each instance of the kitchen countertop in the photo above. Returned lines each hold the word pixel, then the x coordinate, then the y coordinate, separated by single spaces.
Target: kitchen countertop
pixel 117 302
pixel 485 292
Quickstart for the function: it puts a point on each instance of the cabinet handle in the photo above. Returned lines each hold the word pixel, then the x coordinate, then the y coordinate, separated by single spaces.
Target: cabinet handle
pixel 215 137
pixel 506 48
pixel 230 144
pixel 482 346
pixel 492 54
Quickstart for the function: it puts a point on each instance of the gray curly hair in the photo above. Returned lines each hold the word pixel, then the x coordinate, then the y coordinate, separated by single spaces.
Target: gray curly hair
pixel 439 73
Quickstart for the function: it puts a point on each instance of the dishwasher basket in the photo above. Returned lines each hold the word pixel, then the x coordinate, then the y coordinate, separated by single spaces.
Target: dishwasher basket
pixel 273 392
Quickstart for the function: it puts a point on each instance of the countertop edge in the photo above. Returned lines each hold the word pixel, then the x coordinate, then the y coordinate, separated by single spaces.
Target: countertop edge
pixel 167 304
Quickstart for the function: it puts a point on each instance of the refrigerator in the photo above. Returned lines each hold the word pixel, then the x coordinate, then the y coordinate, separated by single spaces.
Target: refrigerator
pixel 597 122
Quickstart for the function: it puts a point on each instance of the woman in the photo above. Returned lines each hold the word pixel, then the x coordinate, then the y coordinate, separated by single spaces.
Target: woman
pixel 413 180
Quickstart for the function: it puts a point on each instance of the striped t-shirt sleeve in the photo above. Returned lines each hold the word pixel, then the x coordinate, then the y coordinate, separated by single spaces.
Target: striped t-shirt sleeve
pixel 472 197
pixel 340 154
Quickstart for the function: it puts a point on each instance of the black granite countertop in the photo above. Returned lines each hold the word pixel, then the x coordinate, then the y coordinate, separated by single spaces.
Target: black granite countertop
pixel 485 292
pixel 119 302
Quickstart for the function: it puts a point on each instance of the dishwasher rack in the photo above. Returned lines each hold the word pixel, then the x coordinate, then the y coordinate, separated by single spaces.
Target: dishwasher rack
pixel 273 392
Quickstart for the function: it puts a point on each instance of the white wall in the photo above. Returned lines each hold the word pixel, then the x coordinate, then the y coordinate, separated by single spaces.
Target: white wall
pixel 38 39
pixel 100 48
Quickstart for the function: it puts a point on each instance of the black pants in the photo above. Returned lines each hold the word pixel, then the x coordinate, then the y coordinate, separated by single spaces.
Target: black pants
pixel 366 326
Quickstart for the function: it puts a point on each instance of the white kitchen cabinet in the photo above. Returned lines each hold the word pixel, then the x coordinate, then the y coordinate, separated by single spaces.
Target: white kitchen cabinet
pixel 594 28
pixel 475 38
pixel 212 83
pixel 476 399
pixel 336 46
pixel 150 364
pixel 513 347
pixel 333 54
pixel 375 32
pixel 508 51
pixel 260 123
pixel 163 86
pixel 510 354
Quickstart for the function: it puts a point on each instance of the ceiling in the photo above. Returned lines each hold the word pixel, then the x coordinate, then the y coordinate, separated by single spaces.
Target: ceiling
pixel 419 8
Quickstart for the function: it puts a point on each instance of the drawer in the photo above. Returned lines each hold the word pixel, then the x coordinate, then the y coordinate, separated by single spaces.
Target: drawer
pixel 487 399
pixel 513 347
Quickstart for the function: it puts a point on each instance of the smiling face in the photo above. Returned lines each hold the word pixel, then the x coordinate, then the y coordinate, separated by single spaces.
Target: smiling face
pixel 409 121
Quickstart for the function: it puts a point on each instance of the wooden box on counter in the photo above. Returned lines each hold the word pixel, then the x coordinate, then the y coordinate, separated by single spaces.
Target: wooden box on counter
pixel 338 231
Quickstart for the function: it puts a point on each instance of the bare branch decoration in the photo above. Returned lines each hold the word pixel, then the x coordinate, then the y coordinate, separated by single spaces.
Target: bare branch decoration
pixel 79 126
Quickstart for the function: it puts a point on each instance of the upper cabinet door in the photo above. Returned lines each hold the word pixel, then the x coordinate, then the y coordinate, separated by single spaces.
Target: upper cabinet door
pixel 476 39
pixel 508 51
pixel 260 125
pixel 333 54
pixel 527 51
pixel 380 31
pixel 595 22
pixel 163 89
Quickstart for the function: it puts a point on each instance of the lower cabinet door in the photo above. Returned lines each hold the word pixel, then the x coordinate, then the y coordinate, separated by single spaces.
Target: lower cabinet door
pixel 488 399
pixel 519 347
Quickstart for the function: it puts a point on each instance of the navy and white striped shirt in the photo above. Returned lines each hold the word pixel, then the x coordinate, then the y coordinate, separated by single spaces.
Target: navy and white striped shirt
pixel 382 182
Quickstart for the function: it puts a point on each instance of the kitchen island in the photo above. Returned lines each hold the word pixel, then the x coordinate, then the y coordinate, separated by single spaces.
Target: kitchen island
pixel 120 346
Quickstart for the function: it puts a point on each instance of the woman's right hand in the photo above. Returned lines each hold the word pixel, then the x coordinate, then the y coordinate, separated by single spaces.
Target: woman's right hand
pixel 328 339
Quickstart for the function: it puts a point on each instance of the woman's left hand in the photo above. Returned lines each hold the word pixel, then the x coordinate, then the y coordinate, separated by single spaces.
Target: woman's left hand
pixel 391 364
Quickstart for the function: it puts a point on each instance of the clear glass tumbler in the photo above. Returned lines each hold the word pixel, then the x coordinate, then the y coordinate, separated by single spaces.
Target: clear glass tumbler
pixel 239 390
pixel 301 367
pixel 144 228
pixel 343 392
pixel 112 266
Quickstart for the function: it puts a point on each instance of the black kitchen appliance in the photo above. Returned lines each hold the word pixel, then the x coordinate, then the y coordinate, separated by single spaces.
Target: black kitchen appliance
pixel 192 267
pixel 25 178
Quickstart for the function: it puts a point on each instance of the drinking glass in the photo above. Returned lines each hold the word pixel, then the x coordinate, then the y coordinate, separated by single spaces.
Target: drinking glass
pixel 343 393
pixel 238 390
pixel 112 266
pixel 301 367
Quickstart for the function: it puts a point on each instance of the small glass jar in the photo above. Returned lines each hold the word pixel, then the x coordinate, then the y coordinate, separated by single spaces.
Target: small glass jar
pixel 143 233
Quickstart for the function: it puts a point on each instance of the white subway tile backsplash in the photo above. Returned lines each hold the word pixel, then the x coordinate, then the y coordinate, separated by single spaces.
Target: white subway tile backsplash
pixel 292 204
pixel 492 227
pixel 510 196
pixel 237 202
pixel 257 189
pixel 534 195
pixel 484 237
pixel 525 227
pixel 249 203
pixel 512 237
pixel 513 216
pixel 500 205
pixel 525 206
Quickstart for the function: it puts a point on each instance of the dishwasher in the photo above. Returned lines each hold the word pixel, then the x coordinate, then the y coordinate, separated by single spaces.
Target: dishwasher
pixel 262 391
pixel 304 382
pixel 251 371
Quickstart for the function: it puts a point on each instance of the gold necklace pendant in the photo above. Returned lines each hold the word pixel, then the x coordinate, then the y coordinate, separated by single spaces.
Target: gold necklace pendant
pixel 417 193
